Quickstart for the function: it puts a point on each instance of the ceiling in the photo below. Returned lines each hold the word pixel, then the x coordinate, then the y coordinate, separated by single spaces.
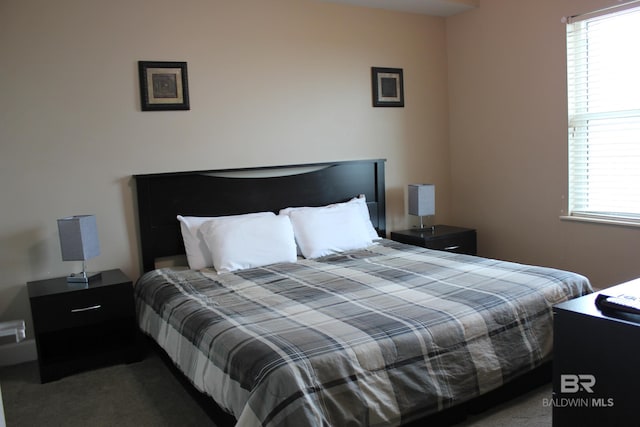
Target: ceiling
pixel 426 7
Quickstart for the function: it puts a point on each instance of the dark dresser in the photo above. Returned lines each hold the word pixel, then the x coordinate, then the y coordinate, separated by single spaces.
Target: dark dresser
pixel 596 374
pixel 79 326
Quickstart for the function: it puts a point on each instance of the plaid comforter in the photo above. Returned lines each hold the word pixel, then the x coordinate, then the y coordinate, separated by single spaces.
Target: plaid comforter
pixel 380 336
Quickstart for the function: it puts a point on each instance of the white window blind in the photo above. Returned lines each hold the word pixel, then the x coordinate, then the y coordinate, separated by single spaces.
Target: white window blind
pixel 603 81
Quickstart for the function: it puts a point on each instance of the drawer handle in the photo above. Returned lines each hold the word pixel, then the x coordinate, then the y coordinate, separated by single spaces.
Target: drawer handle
pixel 93 307
pixel 451 248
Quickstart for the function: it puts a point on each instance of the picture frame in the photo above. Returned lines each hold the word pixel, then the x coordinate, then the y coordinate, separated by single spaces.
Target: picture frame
pixel 163 85
pixel 387 87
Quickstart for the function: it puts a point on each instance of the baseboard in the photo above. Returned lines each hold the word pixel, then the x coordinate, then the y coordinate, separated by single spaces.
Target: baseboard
pixel 15 353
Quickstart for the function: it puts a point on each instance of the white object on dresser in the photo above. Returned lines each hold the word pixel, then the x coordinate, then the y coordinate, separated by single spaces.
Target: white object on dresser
pixel 14 327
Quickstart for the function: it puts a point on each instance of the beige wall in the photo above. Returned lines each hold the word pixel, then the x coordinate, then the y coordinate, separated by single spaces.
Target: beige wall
pixel 508 140
pixel 287 81
pixel 271 82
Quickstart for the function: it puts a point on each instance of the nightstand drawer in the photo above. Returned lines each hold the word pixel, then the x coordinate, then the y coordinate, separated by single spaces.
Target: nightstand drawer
pixel 463 244
pixel 82 308
pixel 440 237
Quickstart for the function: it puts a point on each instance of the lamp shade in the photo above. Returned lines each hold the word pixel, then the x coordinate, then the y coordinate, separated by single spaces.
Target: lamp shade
pixel 422 199
pixel 78 237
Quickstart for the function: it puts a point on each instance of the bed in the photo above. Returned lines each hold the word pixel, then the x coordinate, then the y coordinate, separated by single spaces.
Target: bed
pixel 381 333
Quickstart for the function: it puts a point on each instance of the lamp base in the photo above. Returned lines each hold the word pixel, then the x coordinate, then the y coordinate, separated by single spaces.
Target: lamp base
pixel 82 277
pixel 423 228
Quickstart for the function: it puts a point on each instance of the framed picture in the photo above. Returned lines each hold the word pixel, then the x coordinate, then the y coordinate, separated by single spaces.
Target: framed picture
pixel 387 87
pixel 163 85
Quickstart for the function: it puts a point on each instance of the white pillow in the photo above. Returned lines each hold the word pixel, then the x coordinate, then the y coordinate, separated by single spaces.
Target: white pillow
pixel 359 201
pixel 329 229
pixel 249 242
pixel 198 254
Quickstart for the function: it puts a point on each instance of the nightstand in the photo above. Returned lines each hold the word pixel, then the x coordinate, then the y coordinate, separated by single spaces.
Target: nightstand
pixel 442 237
pixel 80 326
pixel 595 362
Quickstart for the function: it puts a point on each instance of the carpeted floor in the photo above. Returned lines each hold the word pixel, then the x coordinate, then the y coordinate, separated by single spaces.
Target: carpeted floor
pixel 147 394
pixel 523 411
pixel 139 394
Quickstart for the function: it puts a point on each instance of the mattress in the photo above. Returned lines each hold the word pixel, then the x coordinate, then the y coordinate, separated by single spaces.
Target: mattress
pixel 378 336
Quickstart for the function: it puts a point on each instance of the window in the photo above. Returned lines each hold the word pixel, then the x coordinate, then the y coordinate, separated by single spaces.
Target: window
pixel 603 82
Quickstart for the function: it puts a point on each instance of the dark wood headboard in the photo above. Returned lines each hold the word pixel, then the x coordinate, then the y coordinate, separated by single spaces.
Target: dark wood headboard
pixel 163 196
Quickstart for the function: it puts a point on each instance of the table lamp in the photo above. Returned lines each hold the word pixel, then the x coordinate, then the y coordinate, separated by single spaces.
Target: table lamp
pixel 79 242
pixel 422 201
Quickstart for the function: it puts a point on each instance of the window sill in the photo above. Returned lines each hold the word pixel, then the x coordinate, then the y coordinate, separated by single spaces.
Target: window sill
pixel 605 221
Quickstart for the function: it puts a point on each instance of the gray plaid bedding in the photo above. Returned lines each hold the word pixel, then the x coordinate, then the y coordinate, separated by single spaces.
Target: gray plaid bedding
pixel 380 336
